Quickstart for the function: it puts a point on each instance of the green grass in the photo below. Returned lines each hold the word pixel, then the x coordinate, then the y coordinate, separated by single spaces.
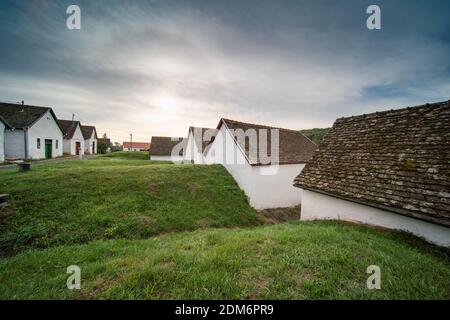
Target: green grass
pixel 107 198
pixel 300 260
pixel 141 229
pixel 315 134
pixel 124 155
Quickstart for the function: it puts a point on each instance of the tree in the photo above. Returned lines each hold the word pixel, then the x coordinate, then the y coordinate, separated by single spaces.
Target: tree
pixel 103 144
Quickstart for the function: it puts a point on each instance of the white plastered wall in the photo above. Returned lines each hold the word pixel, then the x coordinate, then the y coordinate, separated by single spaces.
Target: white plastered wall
pixel 319 206
pixel 45 128
pixel 191 153
pixel 266 186
pixel 167 158
pixel 70 144
pixel 2 141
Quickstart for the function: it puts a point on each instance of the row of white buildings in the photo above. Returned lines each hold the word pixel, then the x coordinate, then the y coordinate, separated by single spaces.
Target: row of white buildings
pixel 264 173
pixel 388 168
pixel 33 132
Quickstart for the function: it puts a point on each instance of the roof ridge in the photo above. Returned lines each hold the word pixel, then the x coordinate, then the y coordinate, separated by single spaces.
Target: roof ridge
pixel 168 137
pixel 433 104
pixel 260 125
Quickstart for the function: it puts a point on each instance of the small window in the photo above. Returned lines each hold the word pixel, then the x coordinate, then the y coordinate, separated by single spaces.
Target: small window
pixel 56 144
pixel 38 143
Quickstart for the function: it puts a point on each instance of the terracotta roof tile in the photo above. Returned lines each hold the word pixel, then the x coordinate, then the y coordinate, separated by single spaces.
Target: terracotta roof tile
pixel 294 147
pixel 397 160
pixel 69 127
pixel 21 116
pixel 87 131
pixel 140 145
pixel 162 146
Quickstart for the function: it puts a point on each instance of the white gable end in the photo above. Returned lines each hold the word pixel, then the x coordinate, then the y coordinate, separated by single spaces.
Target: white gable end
pixel 266 186
pixel 45 130
pixel 77 141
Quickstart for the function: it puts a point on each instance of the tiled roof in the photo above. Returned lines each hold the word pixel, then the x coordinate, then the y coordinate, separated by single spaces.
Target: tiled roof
pixel 140 145
pixel 4 122
pixel 203 137
pixel 397 160
pixel 69 128
pixel 293 147
pixel 162 146
pixel 21 116
pixel 87 131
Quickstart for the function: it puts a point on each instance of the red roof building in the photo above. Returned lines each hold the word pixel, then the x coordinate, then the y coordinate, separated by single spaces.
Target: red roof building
pixel 136 146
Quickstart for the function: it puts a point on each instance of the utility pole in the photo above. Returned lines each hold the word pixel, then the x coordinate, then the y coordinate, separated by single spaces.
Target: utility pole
pixel 131 141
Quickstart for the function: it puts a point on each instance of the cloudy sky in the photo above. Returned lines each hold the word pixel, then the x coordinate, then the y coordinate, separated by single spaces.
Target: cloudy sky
pixel 156 67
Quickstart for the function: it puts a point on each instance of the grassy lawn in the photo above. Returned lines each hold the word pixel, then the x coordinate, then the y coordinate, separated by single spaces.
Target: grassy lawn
pixel 124 155
pixel 298 260
pixel 141 229
pixel 109 198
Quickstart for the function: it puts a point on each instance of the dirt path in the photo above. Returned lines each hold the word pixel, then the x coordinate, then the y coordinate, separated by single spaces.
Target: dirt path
pixel 279 215
pixel 14 166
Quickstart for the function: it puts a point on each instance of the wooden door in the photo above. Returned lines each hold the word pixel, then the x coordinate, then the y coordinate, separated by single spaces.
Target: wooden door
pixel 77 148
pixel 48 149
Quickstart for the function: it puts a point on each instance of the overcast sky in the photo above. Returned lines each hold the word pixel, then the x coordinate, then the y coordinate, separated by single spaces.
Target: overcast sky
pixel 156 67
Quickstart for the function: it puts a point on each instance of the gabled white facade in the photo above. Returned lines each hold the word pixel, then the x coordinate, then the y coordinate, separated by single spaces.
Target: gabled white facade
pixel 90 145
pixel 267 186
pixel 31 143
pixel 192 152
pixel 2 141
pixel 70 145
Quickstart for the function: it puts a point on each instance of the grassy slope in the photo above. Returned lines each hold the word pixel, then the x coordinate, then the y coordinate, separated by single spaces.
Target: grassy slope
pixel 315 134
pixel 80 201
pixel 312 260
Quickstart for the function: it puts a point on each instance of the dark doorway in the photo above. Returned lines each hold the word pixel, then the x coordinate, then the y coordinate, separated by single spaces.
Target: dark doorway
pixel 93 147
pixel 77 148
pixel 48 149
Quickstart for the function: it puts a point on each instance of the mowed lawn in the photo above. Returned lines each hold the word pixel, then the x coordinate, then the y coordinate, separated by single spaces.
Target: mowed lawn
pixel 297 260
pixel 140 229
pixel 124 155
pixel 115 197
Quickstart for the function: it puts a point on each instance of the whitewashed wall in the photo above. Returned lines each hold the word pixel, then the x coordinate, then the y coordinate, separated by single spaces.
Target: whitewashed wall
pixel 191 153
pixel 90 145
pixel 70 145
pixel 265 190
pixel 318 206
pixel 15 144
pixel 166 158
pixel 45 128
pixel 2 142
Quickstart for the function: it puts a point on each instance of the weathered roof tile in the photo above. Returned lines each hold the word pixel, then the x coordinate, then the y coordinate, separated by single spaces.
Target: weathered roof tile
pixel 397 160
